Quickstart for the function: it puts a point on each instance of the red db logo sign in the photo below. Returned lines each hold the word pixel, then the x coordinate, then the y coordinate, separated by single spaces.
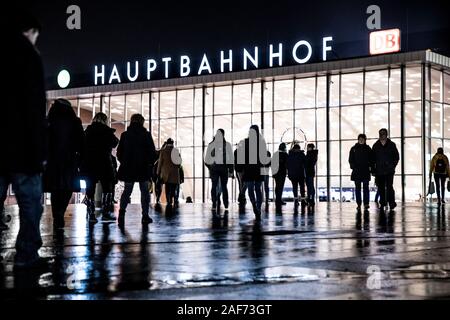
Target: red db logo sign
pixel 385 41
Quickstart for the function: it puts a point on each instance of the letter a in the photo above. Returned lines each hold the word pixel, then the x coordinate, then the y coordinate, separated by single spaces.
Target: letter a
pixel 74 20
pixel 374 21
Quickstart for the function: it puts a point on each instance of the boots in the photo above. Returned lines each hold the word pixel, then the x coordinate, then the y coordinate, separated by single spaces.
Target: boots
pixel 107 205
pixel 90 211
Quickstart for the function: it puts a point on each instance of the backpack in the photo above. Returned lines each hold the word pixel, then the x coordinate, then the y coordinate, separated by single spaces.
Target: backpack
pixel 440 166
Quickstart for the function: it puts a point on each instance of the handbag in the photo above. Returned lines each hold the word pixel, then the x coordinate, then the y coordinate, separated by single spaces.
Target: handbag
pixel 448 186
pixel 432 188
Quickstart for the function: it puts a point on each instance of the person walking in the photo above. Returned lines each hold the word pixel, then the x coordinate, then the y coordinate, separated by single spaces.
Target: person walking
pixel 279 170
pixel 312 156
pixel 385 160
pixel 255 155
pixel 439 167
pixel 136 154
pixel 219 160
pixel 239 169
pixel 23 134
pixel 169 170
pixel 360 160
pixel 65 147
pixel 98 166
pixel 296 173
pixel 3 225
pixel 266 179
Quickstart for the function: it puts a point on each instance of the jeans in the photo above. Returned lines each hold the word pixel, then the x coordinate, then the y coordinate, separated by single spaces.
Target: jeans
pixel 266 188
pixel 255 194
pixel 242 187
pixel 222 178
pixel 295 184
pixel 145 196
pixel 28 191
pixel 440 180
pixel 366 192
pixel 386 189
pixel 311 189
pixel 279 188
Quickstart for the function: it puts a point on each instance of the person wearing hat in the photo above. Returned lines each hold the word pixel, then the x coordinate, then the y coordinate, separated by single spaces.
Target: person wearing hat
pixel 439 167
pixel 360 160
pixel 65 146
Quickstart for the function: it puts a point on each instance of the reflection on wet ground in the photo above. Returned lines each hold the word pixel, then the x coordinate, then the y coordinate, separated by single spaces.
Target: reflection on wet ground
pixel 333 253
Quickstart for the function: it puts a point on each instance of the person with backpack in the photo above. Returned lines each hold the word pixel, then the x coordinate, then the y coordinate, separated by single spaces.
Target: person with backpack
pixel 440 169
pixel 296 173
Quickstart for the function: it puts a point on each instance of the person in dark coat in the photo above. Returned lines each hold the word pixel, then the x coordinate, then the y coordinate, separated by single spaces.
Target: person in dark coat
pixel 279 170
pixel 386 158
pixel 266 180
pixel 296 172
pixel 3 225
pixel 62 174
pixel 23 132
pixel 360 160
pixel 239 169
pixel 312 156
pixel 219 160
pixel 255 160
pixel 136 154
pixel 98 166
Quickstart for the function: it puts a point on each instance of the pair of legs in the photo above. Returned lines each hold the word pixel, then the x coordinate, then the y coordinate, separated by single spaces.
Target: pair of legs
pixel 266 189
pixel 171 191
pixel 219 178
pixel 107 198
pixel 242 188
pixel 279 188
pixel 158 190
pixel 60 201
pixel 365 190
pixel 28 191
pixel 385 185
pixel 295 184
pixel 311 190
pixel 256 197
pixel 440 180
pixel 144 186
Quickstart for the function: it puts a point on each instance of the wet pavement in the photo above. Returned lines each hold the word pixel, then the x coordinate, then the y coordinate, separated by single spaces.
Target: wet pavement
pixel 190 254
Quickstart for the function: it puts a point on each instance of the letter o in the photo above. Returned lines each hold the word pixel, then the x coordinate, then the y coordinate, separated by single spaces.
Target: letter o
pixel 297 46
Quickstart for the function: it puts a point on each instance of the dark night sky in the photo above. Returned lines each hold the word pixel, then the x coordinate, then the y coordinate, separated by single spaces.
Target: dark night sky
pixel 120 31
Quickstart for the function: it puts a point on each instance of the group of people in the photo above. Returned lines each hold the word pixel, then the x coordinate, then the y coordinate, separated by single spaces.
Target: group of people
pixel 252 163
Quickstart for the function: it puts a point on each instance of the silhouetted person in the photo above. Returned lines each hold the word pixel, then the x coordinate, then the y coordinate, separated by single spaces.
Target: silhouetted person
pixel 266 178
pixel 98 166
pixel 360 160
pixel 312 156
pixel 178 191
pixel 219 160
pixel 136 154
pixel 296 172
pixel 440 168
pixel 23 133
pixel 65 146
pixel 3 225
pixel 156 178
pixel 239 169
pixel 279 170
pixel 386 158
pixel 169 170
pixel 255 158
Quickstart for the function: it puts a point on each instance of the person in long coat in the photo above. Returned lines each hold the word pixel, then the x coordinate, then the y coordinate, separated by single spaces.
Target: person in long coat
pixel 137 155
pixel 169 163
pixel 65 146
pixel 98 166
pixel 296 172
pixel 360 160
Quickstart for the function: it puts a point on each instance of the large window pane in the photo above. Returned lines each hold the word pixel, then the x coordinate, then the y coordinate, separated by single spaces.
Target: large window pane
pixel 345 151
pixel 185 134
pixel 305 93
pixel 447 88
pixel 413 188
pixel 256 99
pixel 395 85
pixel 447 121
pixel 241 125
pixel 167 105
pixel 436 86
pixel 334 124
pixel 168 130
pixel 284 95
pixel 283 123
pixel 222 100
pixel 352 89
pixel 322 160
pixel 322 91
pixel 413 156
pixel 223 122
pixel 436 120
pixel 185 103
pixel 117 109
pixel 268 96
pixel 86 111
pixel 242 98
pixel 155 132
pixel 268 127
pixel 377 86
pixel 134 105
pixel 198 108
pixel 395 121
pixel 335 155
pixel 305 120
pixel 187 154
pixel 321 124
pixel 377 117
pixel 351 122
pixel 413 83
pixel 198 136
pixel 413 119
pixel 155 106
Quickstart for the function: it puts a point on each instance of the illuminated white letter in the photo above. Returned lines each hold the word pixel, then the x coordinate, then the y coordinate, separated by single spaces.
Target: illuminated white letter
pixel 278 55
pixel 74 21
pixel 326 48
pixel 99 75
pixel 374 21
pixel 228 61
pixel 114 75
pixel 253 60
pixel 136 71
pixel 185 68
pixel 204 66
pixel 308 56
pixel 166 66
pixel 151 66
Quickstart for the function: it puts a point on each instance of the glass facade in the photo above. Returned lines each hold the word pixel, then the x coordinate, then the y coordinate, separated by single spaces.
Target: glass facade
pixel 412 102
